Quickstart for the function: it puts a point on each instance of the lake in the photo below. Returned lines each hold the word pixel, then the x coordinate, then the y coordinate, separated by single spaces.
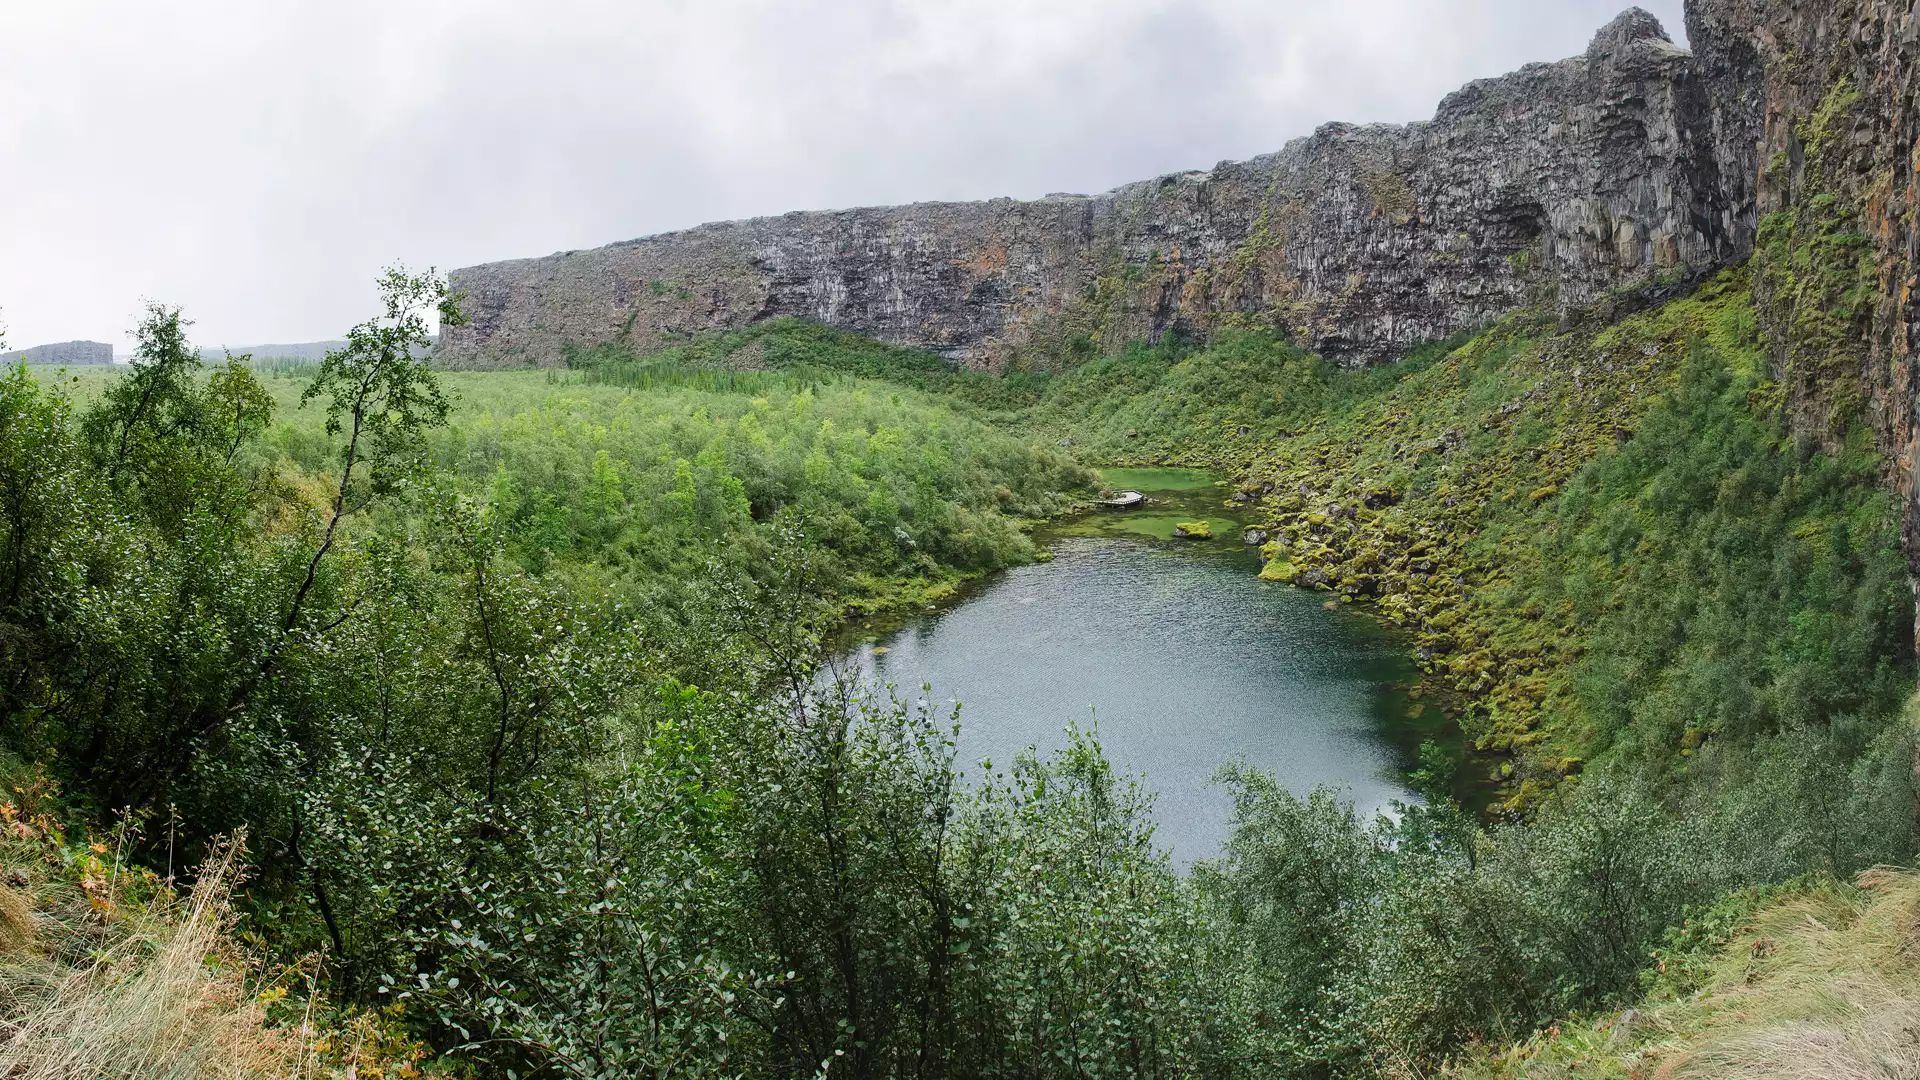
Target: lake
pixel 1174 652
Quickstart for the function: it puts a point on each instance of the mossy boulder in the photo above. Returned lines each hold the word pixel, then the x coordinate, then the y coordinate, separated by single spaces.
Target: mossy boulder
pixel 1193 530
pixel 1279 570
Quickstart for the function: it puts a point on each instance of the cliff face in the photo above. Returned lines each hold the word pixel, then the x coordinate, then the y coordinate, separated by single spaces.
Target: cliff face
pixel 1826 93
pixel 1556 183
pixel 65 352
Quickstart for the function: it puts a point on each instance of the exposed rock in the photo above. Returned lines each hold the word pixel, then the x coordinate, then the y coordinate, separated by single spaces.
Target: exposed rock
pixel 65 352
pixel 1560 181
pixel 1254 537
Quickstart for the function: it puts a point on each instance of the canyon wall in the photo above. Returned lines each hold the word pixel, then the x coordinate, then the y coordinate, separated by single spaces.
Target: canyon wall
pixel 1554 184
pixel 1791 131
pixel 1826 91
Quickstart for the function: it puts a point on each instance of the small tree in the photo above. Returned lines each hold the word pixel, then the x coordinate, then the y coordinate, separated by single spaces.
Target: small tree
pixel 382 396
pixel 142 415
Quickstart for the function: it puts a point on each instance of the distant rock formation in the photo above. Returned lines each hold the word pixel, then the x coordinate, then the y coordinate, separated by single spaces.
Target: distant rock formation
pixel 65 352
pixel 1557 183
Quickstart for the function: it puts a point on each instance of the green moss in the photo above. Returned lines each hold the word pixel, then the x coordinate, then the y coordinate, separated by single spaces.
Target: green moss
pixel 1280 570
pixel 1818 280
pixel 1193 530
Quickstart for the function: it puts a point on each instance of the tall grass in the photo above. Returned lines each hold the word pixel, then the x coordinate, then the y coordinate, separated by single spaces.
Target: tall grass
pixel 1821 983
pixel 93 989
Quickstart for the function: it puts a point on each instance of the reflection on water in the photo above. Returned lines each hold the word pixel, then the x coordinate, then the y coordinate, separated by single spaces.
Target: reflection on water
pixel 1179 655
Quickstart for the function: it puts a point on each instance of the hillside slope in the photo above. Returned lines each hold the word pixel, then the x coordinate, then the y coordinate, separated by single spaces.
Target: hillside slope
pixel 1604 538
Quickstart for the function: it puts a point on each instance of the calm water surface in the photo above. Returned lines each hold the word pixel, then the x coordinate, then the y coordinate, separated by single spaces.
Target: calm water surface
pixel 1177 655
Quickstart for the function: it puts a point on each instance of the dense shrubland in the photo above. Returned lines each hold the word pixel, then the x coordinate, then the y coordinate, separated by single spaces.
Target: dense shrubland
pixel 512 680
pixel 1223 402
pixel 897 490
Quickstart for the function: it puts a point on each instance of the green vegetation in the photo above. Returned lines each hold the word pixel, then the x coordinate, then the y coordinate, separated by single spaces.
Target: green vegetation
pixel 1608 545
pixel 1222 405
pixel 511 680
pixel 897 492
pixel 640 488
pixel 786 351
pixel 1169 402
pixel 1817 277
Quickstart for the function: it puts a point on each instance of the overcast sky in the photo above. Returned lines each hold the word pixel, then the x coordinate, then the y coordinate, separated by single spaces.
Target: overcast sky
pixel 258 161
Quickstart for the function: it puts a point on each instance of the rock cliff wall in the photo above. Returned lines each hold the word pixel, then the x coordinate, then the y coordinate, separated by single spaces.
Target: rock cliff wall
pixel 1556 183
pixel 1826 91
pixel 65 352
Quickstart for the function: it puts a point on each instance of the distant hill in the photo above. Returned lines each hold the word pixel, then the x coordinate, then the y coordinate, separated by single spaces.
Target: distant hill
pixel 306 350
pixel 65 352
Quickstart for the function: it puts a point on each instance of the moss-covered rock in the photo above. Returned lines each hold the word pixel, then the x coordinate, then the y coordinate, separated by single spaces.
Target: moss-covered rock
pixel 1193 530
pixel 1279 570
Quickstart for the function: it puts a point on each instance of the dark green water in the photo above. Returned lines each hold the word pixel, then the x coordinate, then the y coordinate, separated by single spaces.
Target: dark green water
pixel 1175 652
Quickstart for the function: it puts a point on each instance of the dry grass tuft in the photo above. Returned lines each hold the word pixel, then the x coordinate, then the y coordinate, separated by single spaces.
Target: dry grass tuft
pixel 1822 985
pixel 160 995
pixel 1820 995
pixel 17 935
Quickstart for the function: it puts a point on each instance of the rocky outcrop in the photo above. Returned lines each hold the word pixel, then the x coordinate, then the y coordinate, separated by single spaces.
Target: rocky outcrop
pixel 1824 97
pixel 1557 183
pixel 65 352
